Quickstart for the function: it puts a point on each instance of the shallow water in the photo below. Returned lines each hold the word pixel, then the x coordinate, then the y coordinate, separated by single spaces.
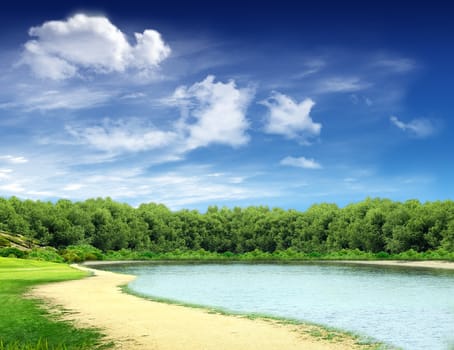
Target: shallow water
pixel 409 308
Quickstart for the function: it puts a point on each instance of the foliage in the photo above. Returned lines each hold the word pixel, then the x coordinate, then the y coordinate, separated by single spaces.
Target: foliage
pixel 12 252
pixel 45 254
pixel 372 228
pixel 26 326
pixel 80 253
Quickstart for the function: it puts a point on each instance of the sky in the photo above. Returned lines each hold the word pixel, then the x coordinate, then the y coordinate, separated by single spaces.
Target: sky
pixel 236 103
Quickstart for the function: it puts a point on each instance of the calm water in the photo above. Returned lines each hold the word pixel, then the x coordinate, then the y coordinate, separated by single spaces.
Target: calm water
pixel 411 309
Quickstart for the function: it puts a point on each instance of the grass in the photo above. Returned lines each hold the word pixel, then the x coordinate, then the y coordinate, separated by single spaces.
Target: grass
pixel 24 324
pixel 40 345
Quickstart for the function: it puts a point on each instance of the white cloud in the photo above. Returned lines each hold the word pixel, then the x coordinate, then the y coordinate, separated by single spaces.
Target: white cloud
pixel 290 118
pixel 133 96
pixel 73 187
pixel 213 112
pixel 236 179
pixel 215 174
pixel 12 188
pixel 418 127
pixel 398 65
pixel 301 162
pixel 63 48
pixel 150 49
pixel 358 99
pixel 79 98
pixel 38 99
pixel 181 187
pixel 5 174
pixel 13 159
pixel 311 67
pixel 344 84
pixel 120 136
pixel 40 194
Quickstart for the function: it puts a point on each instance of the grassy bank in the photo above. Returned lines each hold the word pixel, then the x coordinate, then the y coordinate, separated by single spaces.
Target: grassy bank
pixel 24 324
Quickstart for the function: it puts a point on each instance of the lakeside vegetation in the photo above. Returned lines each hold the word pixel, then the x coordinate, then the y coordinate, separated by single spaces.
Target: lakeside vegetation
pixel 24 324
pixel 102 229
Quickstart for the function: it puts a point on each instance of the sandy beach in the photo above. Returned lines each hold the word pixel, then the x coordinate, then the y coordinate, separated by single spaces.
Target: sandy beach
pixel 134 323
pixel 444 265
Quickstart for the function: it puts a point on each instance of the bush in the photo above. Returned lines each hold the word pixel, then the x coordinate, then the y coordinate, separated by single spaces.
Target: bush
pixel 12 252
pixel 228 254
pixel 71 257
pixel 410 254
pixel 45 254
pixel 79 253
pixel 382 255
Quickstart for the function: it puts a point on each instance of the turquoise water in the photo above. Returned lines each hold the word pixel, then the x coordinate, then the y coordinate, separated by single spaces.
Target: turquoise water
pixel 409 308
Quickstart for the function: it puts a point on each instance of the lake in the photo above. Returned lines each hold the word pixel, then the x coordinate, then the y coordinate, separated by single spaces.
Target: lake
pixel 405 307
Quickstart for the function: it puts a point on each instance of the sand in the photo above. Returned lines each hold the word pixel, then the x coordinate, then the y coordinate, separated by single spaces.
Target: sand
pixel 445 265
pixel 134 323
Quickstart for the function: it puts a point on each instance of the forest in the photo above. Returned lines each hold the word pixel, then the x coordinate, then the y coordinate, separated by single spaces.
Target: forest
pixel 373 225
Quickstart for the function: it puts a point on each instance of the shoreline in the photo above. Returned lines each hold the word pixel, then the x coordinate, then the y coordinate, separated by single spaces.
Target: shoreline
pixel 135 323
pixel 426 264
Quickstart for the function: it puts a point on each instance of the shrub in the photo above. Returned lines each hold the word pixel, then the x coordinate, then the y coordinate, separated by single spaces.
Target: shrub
pixel 45 254
pixel 228 254
pixel 382 255
pixel 12 252
pixel 71 257
pixel 83 252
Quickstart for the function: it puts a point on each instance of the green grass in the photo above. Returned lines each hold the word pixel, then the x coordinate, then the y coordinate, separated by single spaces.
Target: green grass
pixel 24 325
pixel 40 345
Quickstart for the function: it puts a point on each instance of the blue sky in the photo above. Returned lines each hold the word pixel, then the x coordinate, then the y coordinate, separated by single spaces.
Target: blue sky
pixel 242 103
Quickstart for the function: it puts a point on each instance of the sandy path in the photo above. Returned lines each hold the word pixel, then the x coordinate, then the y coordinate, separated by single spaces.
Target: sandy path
pixel 135 323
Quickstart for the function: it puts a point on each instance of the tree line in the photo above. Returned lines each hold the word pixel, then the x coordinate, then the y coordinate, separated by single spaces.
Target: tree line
pixel 373 225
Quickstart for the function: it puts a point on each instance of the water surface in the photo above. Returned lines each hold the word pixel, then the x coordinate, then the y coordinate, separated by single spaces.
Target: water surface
pixel 409 308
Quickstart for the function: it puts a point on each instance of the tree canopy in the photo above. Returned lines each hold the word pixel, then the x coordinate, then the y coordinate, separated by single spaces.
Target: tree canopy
pixel 373 225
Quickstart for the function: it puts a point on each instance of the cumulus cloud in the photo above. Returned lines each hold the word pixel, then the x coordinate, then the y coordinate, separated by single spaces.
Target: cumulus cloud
pixel 301 162
pixel 121 135
pixel 13 159
pixel 289 118
pixel 417 127
pixel 213 112
pixel 61 49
